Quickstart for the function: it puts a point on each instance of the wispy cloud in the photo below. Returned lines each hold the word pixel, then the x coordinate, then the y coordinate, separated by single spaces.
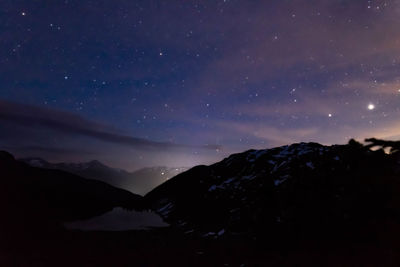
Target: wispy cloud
pixel 74 125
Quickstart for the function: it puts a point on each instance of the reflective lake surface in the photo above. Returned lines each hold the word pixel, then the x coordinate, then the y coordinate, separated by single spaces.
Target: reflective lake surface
pixel 119 220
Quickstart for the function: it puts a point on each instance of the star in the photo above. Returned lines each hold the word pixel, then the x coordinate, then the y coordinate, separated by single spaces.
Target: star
pixel 23 13
pixel 329 115
pixel 371 106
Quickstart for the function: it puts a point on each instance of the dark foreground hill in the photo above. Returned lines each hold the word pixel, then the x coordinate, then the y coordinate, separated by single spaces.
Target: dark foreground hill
pixel 33 198
pixel 301 190
pixel 139 182
pixel 298 205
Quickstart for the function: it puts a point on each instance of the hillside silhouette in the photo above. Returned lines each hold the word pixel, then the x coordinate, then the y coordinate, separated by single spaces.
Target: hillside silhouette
pixel 303 204
pixel 34 199
pixel 139 182
pixel 301 190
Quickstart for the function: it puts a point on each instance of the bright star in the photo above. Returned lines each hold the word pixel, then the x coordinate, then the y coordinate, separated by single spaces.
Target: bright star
pixel 371 106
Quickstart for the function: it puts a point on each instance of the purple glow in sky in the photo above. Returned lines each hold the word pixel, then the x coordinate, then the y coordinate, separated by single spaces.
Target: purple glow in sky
pixel 179 83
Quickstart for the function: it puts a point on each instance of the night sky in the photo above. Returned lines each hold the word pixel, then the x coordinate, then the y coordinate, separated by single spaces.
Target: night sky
pixel 180 83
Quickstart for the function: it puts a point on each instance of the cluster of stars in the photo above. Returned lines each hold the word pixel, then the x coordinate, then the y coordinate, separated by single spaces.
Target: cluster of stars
pixel 194 72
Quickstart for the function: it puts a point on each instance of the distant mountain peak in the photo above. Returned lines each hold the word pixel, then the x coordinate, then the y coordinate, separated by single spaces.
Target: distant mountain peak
pixel 41 195
pixel 140 181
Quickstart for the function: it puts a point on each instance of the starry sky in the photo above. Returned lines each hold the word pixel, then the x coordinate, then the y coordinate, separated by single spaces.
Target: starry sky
pixel 179 83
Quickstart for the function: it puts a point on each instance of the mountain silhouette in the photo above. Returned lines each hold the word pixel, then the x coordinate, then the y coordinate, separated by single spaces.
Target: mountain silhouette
pixel 303 189
pixel 139 182
pixel 35 198
pixel 303 204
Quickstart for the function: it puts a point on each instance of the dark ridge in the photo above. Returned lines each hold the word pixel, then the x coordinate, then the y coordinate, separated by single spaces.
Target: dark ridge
pixel 5 156
pixel 33 198
pixel 303 204
pixel 304 189
pixel 139 182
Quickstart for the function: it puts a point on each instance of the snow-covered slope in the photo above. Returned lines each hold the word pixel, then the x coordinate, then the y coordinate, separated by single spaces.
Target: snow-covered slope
pixel 305 185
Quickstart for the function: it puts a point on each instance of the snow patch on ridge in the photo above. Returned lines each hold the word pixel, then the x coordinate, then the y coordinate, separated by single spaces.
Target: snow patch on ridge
pixel 281 179
pixel 254 155
pixel 166 209
pixel 310 165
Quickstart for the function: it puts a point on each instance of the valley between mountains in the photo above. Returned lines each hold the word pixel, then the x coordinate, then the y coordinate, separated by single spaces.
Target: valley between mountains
pixel 304 204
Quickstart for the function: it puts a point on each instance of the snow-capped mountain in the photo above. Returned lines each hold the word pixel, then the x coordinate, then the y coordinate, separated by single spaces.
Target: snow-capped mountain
pixel 304 186
pixel 32 197
pixel 138 182
pixel 41 163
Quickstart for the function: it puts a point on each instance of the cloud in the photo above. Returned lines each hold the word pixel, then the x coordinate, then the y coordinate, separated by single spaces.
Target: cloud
pixel 66 123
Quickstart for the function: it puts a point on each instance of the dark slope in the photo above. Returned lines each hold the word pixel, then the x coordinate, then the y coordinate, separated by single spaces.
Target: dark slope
pixel 342 201
pixel 32 197
pixel 144 180
pixel 301 189
pixel 139 182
